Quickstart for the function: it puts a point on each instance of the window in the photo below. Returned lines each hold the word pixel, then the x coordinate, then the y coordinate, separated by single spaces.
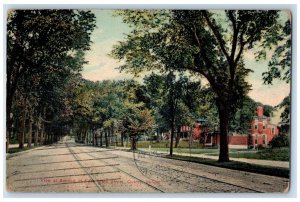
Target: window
pixel 255 124
pixel 273 131
pixel 256 139
pixel 264 139
pixel 264 125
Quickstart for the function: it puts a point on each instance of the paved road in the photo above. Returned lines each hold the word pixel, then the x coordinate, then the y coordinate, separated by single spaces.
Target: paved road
pixel 71 167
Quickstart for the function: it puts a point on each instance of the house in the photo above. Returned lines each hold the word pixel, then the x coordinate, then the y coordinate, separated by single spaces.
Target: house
pixel 260 133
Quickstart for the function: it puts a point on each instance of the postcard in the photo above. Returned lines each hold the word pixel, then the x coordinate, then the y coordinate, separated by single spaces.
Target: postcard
pixel 148 101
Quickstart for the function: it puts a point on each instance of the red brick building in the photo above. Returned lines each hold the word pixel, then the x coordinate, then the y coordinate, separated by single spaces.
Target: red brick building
pixel 260 133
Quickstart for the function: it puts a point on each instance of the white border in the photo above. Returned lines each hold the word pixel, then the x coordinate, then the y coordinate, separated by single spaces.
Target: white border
pixel 187 4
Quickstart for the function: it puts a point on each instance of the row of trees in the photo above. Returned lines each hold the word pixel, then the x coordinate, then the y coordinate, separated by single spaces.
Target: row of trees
pixel 45 53
pixel 103 109
pixel 162 103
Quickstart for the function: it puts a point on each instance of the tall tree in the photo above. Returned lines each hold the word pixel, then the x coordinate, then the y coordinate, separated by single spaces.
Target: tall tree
pixel 39 42
pixel 174 99
pixel 206 43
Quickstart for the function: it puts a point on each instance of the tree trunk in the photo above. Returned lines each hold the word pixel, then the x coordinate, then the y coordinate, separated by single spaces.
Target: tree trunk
pixel 8 119
pixel 172 137
pixel 86 136
pixel 30 127
pixel 101 142
pixel 48 137
pixel 177 137
pixel 158 135
pixel 133 143
pixel 122 139
pixel 96 139
pixel 22 130
pixel 224 123
pixel 111 135
pixel 80 133
pixel 36 134
pixel 106 139
pixel 21 133
pixel 51 141
pixel 42 133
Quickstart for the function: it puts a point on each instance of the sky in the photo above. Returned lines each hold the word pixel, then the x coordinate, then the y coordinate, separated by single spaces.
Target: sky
pixel 110 30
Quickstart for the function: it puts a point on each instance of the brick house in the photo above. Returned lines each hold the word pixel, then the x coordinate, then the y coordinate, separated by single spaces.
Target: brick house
pixel 260 133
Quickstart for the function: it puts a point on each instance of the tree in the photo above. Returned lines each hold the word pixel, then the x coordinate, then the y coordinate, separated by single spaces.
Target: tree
pixel 206 43
pixel 279 67
pixel 138 121
pixel 40 42
pixel 281 62
pixel 280 140
pixel 174 99
pixel 285 115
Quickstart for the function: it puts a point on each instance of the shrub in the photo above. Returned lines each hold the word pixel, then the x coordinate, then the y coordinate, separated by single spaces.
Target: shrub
pixel 260 147
pixel 280 140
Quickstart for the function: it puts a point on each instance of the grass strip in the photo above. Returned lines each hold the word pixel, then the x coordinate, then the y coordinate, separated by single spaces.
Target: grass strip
pixel 235 165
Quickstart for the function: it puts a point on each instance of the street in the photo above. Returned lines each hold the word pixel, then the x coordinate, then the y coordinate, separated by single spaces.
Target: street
pixel 71 167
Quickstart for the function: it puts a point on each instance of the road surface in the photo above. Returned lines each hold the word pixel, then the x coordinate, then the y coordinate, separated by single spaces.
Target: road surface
pixel 71 167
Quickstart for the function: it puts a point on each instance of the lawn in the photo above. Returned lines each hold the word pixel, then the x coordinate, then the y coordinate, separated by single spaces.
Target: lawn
pixel 166 144
pixel 276 154
pixel 235 165
pixel 187 150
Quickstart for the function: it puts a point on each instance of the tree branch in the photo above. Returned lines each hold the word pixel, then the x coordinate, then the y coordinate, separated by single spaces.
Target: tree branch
pixel 217 35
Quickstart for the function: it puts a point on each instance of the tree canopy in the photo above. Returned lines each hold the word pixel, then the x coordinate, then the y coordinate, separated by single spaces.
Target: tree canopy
pixel 45 52
pixel 206 43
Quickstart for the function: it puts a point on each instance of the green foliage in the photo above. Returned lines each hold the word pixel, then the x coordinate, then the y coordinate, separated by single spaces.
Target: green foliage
pixel 45 52
pixel 286 105
pixel 281 140
pixel 111 105
pixel 241 122
pixel 201 42
pixel 279 66
pixel 174 99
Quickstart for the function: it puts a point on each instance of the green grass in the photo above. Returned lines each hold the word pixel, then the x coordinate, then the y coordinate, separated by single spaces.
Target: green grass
pixel 166 144
pixel 276 154
pixel 235 165
pixel 187 150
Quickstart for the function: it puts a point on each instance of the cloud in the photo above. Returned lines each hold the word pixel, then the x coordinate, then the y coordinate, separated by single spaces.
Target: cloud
pixel 106 68
pixel 266 94
pixel 100 65
pixel 269 94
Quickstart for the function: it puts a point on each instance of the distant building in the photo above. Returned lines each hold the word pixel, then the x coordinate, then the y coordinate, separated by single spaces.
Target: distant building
pixel 261 133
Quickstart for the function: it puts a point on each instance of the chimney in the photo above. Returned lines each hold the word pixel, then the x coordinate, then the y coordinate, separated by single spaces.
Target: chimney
pixel 260 111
